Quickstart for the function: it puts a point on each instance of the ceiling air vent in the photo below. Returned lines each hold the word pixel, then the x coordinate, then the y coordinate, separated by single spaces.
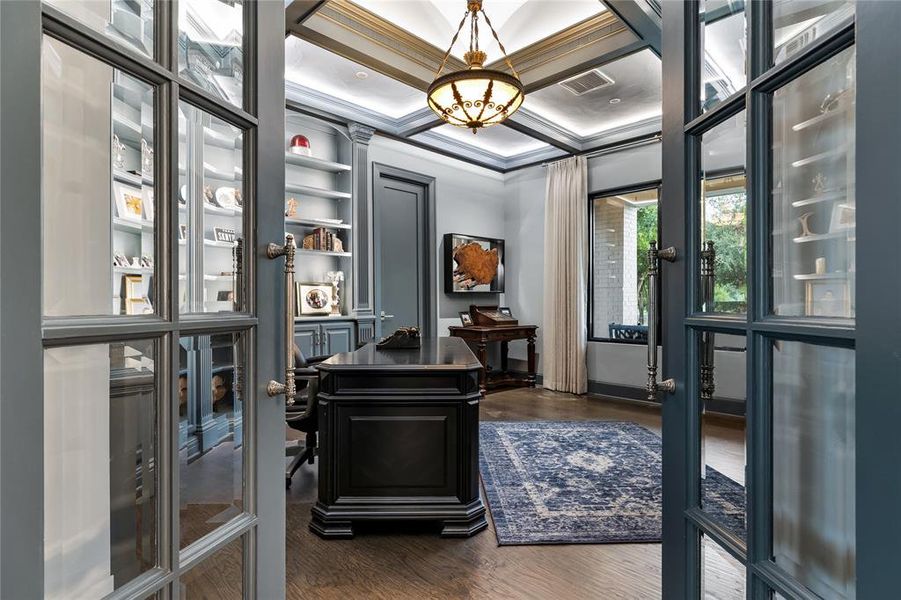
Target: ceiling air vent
pixel 586 82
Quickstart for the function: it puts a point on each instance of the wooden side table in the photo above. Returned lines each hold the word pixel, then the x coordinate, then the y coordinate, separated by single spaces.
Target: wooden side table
pixel 481 335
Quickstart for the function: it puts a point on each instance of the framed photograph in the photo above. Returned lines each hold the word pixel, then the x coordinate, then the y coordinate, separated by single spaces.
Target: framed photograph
pixel 129 202
pixel 224 234
pixel 225 296
pixel 473 264
pixel 148 204
pixel 465 318
pixel 829 298
pixel 505 310
pixel 314 298
pixel 844 217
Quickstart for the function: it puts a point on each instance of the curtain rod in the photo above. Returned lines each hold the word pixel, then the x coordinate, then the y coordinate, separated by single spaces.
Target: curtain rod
pixel 617 147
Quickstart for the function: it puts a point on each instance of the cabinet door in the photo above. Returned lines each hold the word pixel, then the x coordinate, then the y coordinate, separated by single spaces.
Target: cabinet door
pixel 306 336
pixel 337 337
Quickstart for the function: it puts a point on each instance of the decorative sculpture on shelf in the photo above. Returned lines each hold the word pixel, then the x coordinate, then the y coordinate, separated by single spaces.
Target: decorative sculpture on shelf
pixel 336 277
pixel 118 153
pixel 146 158
pixel 805 226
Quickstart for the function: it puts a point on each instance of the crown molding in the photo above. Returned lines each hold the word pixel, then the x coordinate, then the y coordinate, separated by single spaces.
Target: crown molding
pixel 331 107
pixel 623 132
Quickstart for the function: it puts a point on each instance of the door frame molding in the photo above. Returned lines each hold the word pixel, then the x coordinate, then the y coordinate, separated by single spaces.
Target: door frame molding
pixel 429 298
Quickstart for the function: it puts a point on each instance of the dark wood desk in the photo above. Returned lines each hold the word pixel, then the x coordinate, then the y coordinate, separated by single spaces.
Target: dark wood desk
pixel 399 439
pixel 481 335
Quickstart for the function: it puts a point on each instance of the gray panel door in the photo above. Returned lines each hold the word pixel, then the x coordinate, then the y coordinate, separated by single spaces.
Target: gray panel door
pixel 400 253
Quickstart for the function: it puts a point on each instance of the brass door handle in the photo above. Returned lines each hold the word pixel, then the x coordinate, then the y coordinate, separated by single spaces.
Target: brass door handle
pixel 654 257
pixel 383 316
pixel 288 388
pixel 708 285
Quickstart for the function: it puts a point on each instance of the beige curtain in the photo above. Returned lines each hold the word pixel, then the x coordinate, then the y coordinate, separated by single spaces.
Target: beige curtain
pixel 564 332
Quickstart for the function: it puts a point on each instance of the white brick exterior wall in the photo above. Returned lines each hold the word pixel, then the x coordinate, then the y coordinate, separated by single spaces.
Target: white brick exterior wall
pixel 615 265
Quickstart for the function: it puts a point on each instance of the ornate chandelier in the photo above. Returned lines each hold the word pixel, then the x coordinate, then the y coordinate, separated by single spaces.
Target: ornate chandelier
pixel 475 97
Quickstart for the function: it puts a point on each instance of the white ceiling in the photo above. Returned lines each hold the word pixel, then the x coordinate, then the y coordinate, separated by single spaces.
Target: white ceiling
pixel 499 140
pixel 519 23
pixel 636 83
pixel 318 69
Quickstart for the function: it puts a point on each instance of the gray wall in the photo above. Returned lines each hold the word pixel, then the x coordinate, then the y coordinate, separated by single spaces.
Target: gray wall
pixel 469 199
pixel 479 201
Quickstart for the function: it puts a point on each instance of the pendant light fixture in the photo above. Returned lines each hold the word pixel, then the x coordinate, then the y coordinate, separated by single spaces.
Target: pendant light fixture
pixel 475 97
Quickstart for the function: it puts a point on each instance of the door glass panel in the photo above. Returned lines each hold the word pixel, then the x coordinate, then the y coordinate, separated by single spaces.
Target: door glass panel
pixel 210 432
pixel 127 22
pixel 622 227
pixel 211 47
pixel 211 213
pixel 723 47
pixel 220 576
pixel 98 203
pixel 723 577
pixel 813 202
pixel 813 466
pixel 722 212
pixel 799 23
pixel 100 467
pixel 722 403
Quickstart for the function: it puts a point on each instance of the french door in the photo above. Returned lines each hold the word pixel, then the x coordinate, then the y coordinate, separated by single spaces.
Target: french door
pixel 142 175
pixel 788 106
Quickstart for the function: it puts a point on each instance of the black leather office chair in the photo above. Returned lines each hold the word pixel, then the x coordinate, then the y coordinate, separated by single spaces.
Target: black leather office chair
pixel 303 415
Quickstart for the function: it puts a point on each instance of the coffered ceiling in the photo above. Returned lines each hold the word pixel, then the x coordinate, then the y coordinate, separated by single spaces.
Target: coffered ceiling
pixel 371 61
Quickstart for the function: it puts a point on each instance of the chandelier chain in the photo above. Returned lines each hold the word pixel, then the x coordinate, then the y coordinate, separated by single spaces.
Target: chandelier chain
pixel 453 41
pixel 499 44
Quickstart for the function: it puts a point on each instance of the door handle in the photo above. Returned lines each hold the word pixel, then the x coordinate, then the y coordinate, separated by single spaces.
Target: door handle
pixel 288 388
pixel 383 316
pixel 708 284
pixel 654 258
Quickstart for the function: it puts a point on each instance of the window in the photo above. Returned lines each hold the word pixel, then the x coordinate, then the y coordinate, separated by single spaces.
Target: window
pixel 622 226
pixel 723 215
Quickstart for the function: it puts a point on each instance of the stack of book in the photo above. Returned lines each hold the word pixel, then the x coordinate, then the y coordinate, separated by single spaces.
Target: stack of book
pixel 323 239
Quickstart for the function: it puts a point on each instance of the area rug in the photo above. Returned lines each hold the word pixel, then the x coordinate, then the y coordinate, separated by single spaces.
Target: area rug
pixel 584 482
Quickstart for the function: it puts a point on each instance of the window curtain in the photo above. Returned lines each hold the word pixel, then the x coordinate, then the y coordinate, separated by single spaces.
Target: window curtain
pixel 564 335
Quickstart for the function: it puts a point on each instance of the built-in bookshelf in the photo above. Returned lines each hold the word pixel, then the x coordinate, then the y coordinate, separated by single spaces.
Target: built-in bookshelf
pixel 813 198
pixel 318 202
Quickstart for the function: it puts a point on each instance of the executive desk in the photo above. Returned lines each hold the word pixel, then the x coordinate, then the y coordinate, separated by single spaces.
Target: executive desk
pixel 399 439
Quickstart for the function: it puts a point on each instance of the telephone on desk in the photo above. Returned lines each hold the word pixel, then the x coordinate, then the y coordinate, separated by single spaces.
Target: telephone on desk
pixel 491 316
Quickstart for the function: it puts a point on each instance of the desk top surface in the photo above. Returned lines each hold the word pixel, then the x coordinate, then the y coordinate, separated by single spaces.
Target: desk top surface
pixel 447 353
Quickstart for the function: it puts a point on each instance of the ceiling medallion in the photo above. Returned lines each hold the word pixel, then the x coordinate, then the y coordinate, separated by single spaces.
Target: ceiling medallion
pixel 475 97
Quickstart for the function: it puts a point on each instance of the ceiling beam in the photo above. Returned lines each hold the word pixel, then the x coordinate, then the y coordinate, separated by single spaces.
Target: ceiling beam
pixel 299 11
pixel 642 17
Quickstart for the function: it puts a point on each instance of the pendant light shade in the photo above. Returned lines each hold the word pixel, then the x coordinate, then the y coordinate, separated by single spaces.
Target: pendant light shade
pixel 475 97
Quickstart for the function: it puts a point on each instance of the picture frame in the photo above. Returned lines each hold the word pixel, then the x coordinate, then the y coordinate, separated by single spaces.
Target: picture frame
pixel 225 234
pixel 844 217
pixel 505 310
pixel 473 264
pixel 828 298
pixel 149 212
pixel 466 318
pixel 129 202
pixel 314 298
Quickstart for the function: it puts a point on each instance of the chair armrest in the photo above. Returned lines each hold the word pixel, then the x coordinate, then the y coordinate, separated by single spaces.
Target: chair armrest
pixel 318 359
pixel 306 373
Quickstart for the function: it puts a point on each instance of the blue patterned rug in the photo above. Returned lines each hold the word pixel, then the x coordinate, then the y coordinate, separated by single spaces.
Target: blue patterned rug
pixel 584 482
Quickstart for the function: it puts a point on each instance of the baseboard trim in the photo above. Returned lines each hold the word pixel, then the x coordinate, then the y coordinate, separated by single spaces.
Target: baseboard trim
pixel 726 406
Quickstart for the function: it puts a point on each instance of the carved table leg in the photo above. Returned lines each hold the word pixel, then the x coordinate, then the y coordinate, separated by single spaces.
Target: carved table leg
pixel 532 367
pixel 483 358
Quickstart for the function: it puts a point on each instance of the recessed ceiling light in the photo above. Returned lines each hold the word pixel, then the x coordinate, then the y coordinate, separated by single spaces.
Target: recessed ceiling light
pixel 361 74
pixel 615 100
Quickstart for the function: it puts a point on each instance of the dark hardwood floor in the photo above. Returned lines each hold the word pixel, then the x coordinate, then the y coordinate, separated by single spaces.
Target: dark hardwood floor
pixel 419 564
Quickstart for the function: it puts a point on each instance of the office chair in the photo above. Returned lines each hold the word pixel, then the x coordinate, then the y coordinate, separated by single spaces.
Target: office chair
pixel 303 415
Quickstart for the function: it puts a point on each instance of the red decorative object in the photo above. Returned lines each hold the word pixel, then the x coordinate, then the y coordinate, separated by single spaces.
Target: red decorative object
pixel 301 145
